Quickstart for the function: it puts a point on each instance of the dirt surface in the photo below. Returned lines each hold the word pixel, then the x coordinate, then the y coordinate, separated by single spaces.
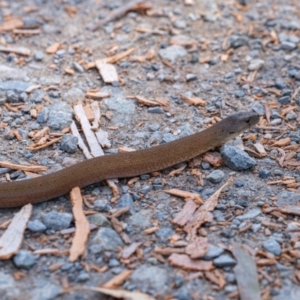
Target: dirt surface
pixel 189 64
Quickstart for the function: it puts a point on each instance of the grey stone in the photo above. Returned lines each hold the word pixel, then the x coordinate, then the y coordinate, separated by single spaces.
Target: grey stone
pixel 57 221
pixel 8 287
pixel 216 176
pixel 107 239
pixel 258 108
pixel 73 94
pixel 237 41
pixel 291 116
pixel 168 137
pixel 155 110
pixel 236 159
pixel 256 64
pixel 122 108
pixel 42 117
pixel 148 278
pixel 284 100
pixel 173 52
pixel 213 252
pixel 289 46
pixel 77 67
pixel 102 205
pixel 256 228
pixel 276 122
pixel 190 77
pixel 287 198
pixel 36 226
pixel 99 220
pixel 225 260
pixel 251 214
pixel 37 96
pixel 126 200
pixel 83 276
pixel 46 291
pixel 142 219
pixel 7 73
pixel 60 116
pixel 12 96
pixel 39 55
pixel 272 246
pixel 68 143
pixel 14 85
pixel 24 259
pixel 218 215
pixel 163 233
pixel 180 24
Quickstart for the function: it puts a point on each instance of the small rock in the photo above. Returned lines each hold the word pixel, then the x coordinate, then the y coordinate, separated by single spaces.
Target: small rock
pixel 42 117
pixel 236 159
pixel 251 214
pixel 126 200
pixel 173 52
pixel 24 259
pixel 190 77
pixel 225 260
pixel 272 246
pixel 256 228
pixel 284 100
pixel 263 174
pixel 107 239
pixel 258 108
pixel 289 46
pixel 102 205
pixel 216 176
pixel 57 221
pixel 69 143
pixel 237 41
pixel 99 220
pixel 163 233
pixel 213 252
pixel 155 110
pixel 256 64
pixel 148 278
pixel 38 55
pixel 36 226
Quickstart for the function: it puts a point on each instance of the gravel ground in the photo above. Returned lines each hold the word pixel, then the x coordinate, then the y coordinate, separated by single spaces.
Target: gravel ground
pixel 227 56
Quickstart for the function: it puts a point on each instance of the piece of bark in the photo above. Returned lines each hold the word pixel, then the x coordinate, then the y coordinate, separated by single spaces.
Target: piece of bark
pixel 197 247
pixel 107 71
pixel 11 239
pixel 82 226
pixel 186 213
pixel 246 274
pixel 185 262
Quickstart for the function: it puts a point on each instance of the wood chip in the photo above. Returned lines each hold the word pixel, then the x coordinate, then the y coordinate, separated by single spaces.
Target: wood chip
pixel 185 262
pixel 118 279
pixel 193 100
pixel 53 48
pixel 11 239
pixel 6 164
pixel 185 195
pixel 186 213
pixel 282 142
pixel 88 132
pixel 97 95
pixel 118 13
pixel 197 247
pixel 107 71
pixel 82 226
pixel 117 293
pixel 18 50
pixel 246 274
pixel 81 143
pixel 128 251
